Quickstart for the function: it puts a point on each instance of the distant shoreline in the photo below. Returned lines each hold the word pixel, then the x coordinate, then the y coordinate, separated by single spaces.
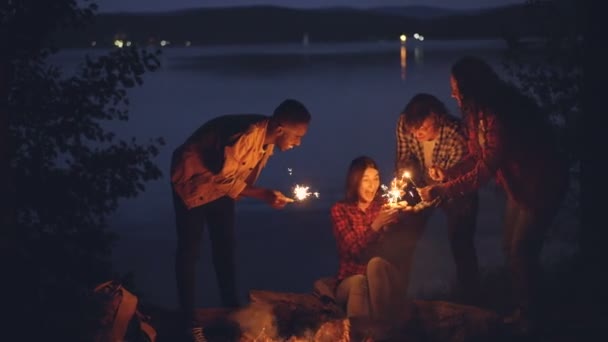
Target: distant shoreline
pixel 314 47
pixel 271 24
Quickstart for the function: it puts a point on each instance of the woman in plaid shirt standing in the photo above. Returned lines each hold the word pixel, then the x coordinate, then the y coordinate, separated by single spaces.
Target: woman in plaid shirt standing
pixel 369 286
pixel 510 140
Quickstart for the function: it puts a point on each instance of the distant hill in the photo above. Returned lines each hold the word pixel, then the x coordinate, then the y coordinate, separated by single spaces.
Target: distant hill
pixel 420 12
pixel 264 24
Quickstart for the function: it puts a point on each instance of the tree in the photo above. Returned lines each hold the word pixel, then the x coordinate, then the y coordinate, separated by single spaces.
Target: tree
pixel 549 67
pixel 556 71
pixel 68 169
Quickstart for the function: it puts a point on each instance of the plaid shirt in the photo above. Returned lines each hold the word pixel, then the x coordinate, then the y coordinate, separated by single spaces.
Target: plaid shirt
pixel 450 148
pixel 353 232
pixel 532 173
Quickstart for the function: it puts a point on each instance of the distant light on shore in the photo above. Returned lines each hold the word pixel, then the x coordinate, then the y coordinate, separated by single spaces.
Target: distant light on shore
pixel 418 36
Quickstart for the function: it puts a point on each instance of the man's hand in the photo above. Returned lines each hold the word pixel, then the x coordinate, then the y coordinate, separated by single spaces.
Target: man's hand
pixel 276 199
pixel 436 174
pixel 431 192
pixel 273 197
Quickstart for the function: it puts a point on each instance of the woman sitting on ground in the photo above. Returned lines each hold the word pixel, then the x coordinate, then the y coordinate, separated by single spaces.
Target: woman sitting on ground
pixel 368 286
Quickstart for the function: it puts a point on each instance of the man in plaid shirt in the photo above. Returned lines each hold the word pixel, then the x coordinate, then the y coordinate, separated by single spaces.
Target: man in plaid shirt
pixel 429 143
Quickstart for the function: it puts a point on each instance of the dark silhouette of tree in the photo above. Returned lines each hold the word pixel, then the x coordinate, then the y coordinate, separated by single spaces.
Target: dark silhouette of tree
pixel 550 68
pixel 554 69
pixel 63 170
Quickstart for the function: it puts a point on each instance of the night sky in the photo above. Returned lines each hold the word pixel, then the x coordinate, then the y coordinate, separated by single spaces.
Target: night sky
pixel 164 5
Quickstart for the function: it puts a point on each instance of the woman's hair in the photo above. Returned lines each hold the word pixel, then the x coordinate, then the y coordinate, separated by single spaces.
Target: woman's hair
pixel 420 107
pixel 354 176
pixel 482 90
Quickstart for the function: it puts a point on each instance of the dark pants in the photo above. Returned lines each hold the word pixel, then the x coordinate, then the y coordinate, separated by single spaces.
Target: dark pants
pixel 461 215
pixel 524 234
pixel 219 217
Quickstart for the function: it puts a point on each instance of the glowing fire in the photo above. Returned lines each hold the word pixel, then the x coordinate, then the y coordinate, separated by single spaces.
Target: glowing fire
pixel 300 192
pixel 338 331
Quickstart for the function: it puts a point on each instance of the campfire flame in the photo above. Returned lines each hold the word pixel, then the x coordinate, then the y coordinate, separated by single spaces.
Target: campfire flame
pixel 333 331
pixel 258 325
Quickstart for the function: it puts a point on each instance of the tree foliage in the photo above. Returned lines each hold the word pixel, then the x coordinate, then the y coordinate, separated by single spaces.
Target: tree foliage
pixel 68 168
pixel 549 67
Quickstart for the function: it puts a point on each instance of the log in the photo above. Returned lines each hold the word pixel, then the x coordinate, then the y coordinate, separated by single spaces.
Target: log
pixel 296 314
pixel 424 321
pixel 445 321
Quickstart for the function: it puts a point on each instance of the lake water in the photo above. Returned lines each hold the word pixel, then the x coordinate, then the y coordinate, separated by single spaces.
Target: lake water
pixel 354 92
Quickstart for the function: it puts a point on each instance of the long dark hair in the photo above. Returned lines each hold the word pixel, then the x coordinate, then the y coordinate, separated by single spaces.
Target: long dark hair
pixel 355 175
pixel 482 90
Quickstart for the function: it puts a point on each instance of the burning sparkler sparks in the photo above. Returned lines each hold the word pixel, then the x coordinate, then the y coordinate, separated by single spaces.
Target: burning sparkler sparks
pixel 300 192
pixel 408 175
pixel 392 194
pixel 395 193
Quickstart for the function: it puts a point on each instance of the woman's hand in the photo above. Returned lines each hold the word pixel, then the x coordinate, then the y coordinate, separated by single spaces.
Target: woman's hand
pixel 431 192
pixel 386 216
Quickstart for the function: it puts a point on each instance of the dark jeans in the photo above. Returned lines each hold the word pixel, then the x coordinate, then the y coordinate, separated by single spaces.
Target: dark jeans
pixel 524 234
pixel 219 217
pixel 399 243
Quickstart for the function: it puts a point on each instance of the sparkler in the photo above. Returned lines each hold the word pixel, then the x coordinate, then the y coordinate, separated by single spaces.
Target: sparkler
pixel 300 192
pixel 408 175
pixel 411 191
pixel 402 190
pixel 392 194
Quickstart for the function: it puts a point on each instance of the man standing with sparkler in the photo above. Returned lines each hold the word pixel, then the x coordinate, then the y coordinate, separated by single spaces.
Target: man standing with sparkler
pixel 214 167
pixel 430 141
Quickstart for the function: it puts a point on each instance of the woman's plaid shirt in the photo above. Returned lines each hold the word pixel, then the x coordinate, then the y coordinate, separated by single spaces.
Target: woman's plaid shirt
pixel 450 148
pixel 354 234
